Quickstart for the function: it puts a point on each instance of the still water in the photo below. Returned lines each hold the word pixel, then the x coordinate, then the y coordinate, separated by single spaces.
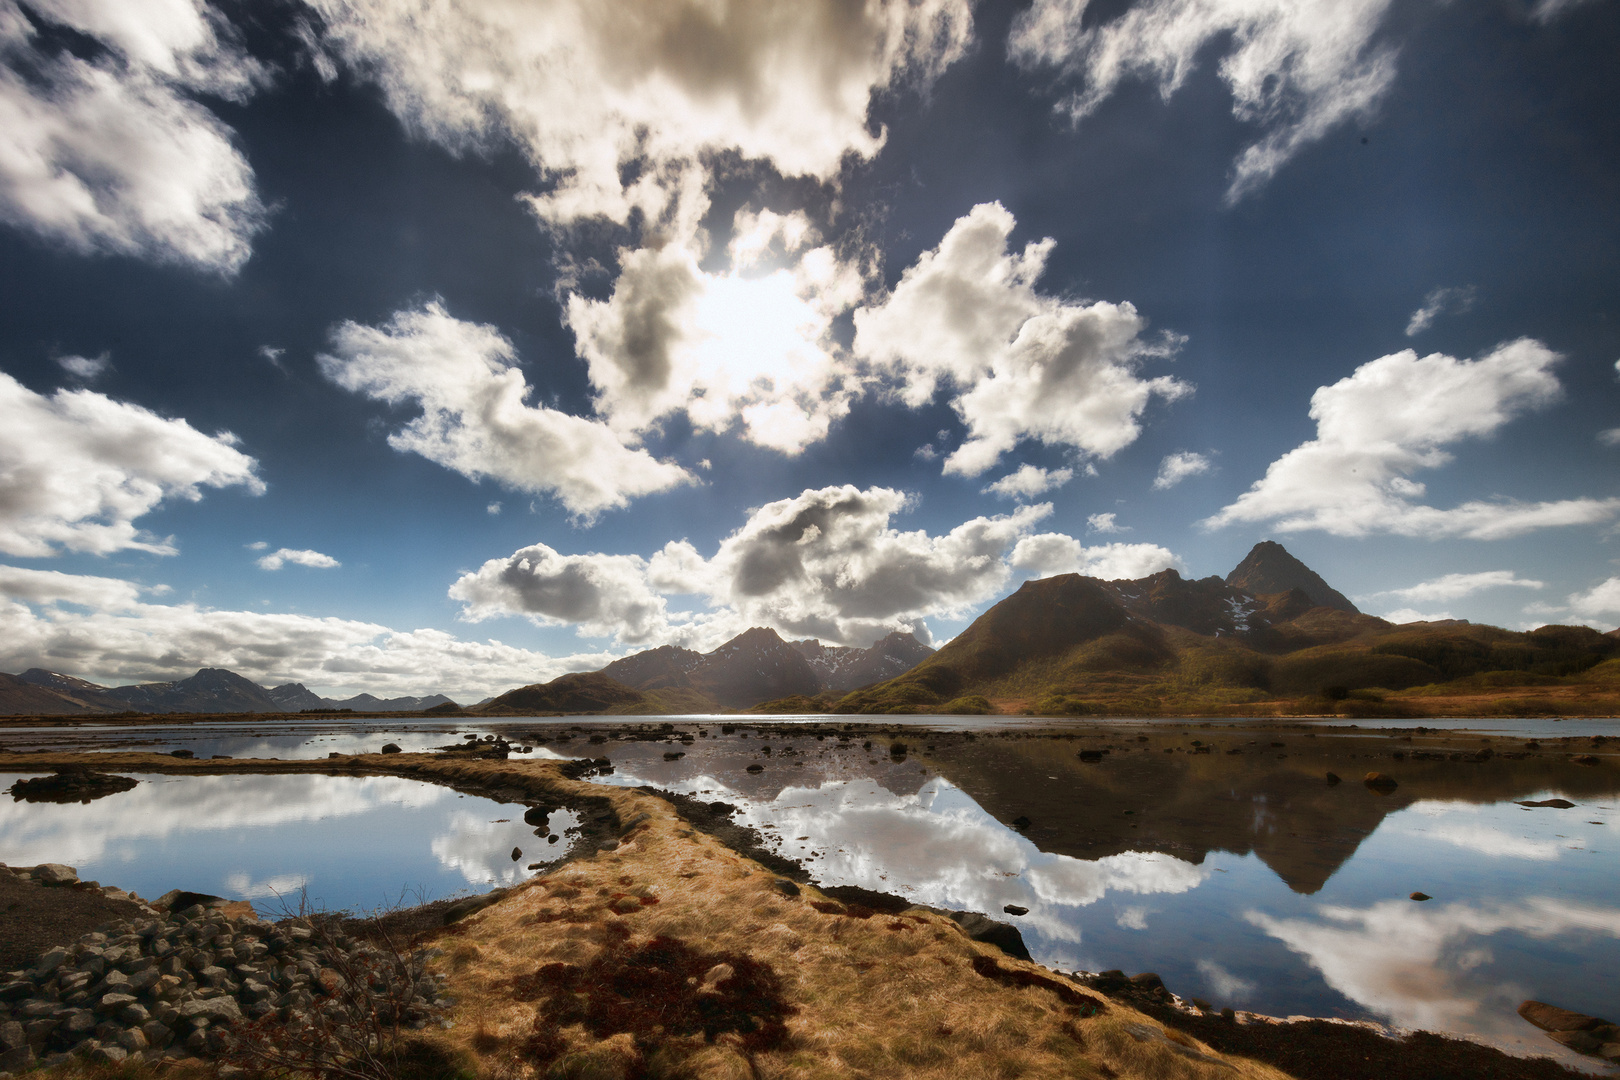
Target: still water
pixel 1220 858
pixel 1241 878
pixel 336 842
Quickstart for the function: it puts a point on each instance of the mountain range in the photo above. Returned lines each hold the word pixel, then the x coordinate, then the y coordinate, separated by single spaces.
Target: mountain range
pixel 756 665
pixel 1271 638
pixel 211 690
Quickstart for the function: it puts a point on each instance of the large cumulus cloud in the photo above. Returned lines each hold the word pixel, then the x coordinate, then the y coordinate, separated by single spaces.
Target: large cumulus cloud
pixel 475 418
pixel 1393 417
pixel 112 153
pixel 615 102
pixel 1023 365
pixel 78 468
pixel 829 563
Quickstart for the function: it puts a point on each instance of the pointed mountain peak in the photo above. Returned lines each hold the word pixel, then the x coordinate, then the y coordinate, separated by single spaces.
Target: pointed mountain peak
pixel 1269 568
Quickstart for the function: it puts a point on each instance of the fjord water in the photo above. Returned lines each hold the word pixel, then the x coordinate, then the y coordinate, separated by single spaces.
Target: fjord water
pixel 1245 879
pixel 1212 855
pixel 335 842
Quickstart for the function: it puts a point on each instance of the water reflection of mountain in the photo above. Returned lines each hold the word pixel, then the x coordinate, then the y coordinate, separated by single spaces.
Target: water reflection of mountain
pixel 1272 801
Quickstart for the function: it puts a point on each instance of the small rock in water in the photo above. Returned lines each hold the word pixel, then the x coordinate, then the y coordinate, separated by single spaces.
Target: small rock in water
pixel 517 853
pixel 1092 756
pixel 1014 909
pixel 1420 896
pixel 391 748
pixel 1332 778
pixel 1021 823
pixel 1382 783
pixel 1557 804
pixel 756 768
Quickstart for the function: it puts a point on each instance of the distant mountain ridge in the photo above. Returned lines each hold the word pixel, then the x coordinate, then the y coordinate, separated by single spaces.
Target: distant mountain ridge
pixel 756 665
pixel 210 690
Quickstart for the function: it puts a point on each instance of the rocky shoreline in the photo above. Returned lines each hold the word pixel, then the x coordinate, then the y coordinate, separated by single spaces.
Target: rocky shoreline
pixel 199 977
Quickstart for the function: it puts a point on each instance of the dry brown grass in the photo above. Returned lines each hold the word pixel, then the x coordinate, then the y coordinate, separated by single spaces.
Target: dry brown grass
pixel 868 994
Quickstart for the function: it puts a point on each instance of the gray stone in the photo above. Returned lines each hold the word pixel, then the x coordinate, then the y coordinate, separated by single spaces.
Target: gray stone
pixel 52 873
pixel 157 1034
pixel 108 1055
pixel 48 963
pixel 79 1022
pixel 220 1010
pixel 20 990
pixel 15 1061
pixel 39 1032
pixel 134 1014
pixel 111 1003
pixel 1004 936
pixel 132 1040
pixel 143 980
pixel 12 1035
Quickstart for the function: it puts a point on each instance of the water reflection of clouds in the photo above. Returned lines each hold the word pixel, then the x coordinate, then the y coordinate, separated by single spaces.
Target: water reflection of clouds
pixel 480 849
pixel 1499 831
pixel 1413 964
pixel 161 807
pixel 281 887
pixel 937 846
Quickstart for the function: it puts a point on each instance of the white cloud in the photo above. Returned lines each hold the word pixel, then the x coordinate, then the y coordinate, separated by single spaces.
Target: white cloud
pixel 1610 437
pixel 1296 68
pixel 87 368
pixel 618 104
pixel 1105 523
pixel 77 468
pixel 1438 301
pixel 1410 615
pixel 100 629
pixel 1177 467
pixel 1024 365
pixel 1407 962
pixel 1602 599
pixel 1457 586
pixel 723 348
pixel 493 508
pixel 111 155
pixel 1047 554
pixel 474 420
pixel 827 564
pixel 604 595
pixel 1391 418
pixel 1546 11
pixel 1030 481
pixel 1223 984
pixel 281 556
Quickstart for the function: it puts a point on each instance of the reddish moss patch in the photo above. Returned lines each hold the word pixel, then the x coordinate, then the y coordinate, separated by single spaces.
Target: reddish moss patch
pixel 655 990
pixel 1085 1003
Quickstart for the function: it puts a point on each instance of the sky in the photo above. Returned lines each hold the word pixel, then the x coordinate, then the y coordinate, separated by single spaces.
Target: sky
pixel 411 346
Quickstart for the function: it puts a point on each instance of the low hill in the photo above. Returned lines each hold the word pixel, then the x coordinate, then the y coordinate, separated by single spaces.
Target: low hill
pixel 1073 645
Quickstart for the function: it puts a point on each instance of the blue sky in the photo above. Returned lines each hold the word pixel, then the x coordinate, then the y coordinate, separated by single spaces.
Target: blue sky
pixel 448 347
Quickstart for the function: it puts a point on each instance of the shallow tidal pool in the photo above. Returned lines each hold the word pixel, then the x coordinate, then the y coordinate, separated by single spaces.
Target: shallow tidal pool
pixel 334 842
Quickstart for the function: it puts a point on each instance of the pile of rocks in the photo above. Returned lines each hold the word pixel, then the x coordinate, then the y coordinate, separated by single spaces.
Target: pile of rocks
pixel 179 983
